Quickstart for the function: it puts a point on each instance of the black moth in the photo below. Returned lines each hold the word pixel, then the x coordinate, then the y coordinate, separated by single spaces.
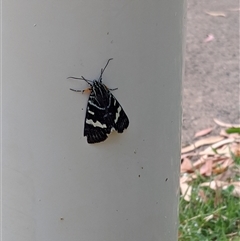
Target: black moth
pixel 104 114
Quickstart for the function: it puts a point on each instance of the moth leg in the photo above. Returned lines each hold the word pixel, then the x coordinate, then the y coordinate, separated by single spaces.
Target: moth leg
pixel 76 90
pixel 87 80
pixel 110 89
pixel 88 90
pixel 113 89
pixel 82 78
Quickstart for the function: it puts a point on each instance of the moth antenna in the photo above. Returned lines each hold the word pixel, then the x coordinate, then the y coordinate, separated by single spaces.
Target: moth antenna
pixel 102 70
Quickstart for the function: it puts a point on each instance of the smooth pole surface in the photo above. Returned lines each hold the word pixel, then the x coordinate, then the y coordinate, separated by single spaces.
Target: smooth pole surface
pixel 55 185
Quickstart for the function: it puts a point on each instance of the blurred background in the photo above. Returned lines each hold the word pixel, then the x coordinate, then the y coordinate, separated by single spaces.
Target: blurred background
pixel 209 207
pixel 211 83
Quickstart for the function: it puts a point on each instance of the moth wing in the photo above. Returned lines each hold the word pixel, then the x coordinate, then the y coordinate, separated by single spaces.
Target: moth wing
pixel 120 120
pixel 95 129
pixel 101 120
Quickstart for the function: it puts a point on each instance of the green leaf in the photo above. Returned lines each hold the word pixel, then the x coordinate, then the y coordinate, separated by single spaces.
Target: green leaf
pixel 233 130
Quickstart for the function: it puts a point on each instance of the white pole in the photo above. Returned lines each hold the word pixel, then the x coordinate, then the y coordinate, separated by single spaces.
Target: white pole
pixel 55 185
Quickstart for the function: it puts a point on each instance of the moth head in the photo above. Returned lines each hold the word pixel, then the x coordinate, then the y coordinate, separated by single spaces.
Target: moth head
pixel 97 83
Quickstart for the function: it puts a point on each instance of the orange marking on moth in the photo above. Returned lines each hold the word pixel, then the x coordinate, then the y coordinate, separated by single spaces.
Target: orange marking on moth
pixel 88 90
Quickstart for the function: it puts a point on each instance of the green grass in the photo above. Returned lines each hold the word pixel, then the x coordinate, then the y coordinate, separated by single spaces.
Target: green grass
pixel 218 218
pixel 233 130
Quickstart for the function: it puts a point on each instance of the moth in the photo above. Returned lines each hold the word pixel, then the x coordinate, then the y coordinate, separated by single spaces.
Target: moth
pixel 104 114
